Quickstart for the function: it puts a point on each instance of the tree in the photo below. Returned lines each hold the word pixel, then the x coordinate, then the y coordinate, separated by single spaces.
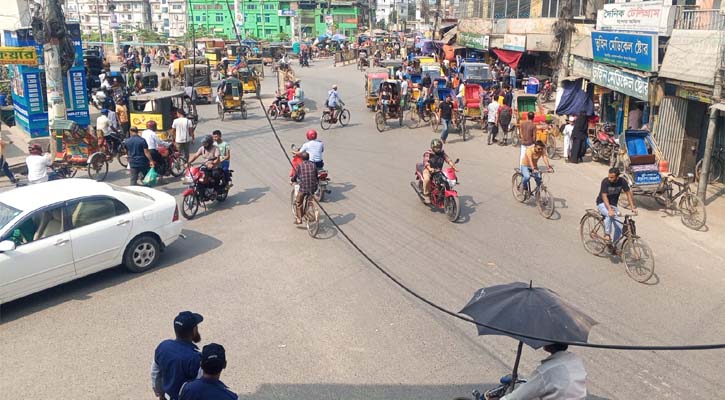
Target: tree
pixel 283 36
pixel 148 35
pixel 393 16
pixel 199 31
pixel 381 24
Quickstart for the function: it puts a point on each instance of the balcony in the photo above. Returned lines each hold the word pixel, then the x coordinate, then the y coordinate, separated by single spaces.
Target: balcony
pixel 700 20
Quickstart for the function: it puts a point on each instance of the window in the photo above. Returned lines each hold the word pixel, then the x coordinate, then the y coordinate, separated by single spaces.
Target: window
pixel 259 18
pixel 219 18
pixel 251 6
pixel 176 7
pixel 267 19
pixel 92 210
pixel 7 214
pixel 267 32
pixel 270 6
pixel 39 225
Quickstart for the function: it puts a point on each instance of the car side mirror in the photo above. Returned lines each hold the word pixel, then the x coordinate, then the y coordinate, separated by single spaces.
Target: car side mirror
pixel 7 245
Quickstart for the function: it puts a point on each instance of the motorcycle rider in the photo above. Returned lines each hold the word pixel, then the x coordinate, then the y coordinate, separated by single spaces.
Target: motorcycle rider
pixel 314 148
pixel 225 154
pixel 298 96
pixel 153 141
pixel 433 160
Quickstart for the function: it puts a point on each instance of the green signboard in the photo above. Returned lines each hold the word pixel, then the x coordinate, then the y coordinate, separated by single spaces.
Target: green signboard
pixel 472 40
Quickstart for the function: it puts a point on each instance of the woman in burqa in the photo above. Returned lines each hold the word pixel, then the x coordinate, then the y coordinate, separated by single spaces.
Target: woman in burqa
pixel 579 138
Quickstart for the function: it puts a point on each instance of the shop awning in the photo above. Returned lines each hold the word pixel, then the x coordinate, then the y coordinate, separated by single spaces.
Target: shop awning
pixel 509 57
pixel 450 35
pixel 678 62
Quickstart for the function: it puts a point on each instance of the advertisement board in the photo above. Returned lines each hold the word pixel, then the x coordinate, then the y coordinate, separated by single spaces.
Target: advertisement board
pixel 514 42
pixel 645 17
pixel 472 40
pixel 629 50
pixel 76 97
pixel 621 81
pixel 19 55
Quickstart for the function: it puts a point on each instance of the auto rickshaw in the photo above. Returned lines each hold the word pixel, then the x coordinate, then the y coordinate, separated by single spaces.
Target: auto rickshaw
pixel 372 83
pixel 150 81
pixel 475 72
pixel 433 70
pixel 394 108
pixel 214 55
pixel 198 76
pixel 250 81
pixel 257 65
pixel 160 107
pixel 231 99
pixel 391 66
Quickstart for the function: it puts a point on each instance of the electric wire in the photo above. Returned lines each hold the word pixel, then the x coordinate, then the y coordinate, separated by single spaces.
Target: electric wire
pixel 453 314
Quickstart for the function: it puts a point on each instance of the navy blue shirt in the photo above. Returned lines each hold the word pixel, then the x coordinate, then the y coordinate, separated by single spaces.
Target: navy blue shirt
pixel 135 146
pixel 179 362
pixel 206 389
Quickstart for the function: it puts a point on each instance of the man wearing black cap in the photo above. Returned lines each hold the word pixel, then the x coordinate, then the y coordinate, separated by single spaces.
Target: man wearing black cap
pixel 177 361
pixel 209 387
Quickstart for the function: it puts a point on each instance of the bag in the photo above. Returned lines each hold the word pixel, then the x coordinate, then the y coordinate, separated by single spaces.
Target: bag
pixel 151 177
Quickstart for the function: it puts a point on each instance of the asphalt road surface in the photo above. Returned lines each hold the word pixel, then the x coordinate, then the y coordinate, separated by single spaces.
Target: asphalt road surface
pixel 311 319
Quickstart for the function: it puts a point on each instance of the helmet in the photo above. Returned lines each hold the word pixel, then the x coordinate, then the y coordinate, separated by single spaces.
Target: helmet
pixel 311 134
pixel 207 141
pixel 151 125
pixel 436 145
pixel 334 87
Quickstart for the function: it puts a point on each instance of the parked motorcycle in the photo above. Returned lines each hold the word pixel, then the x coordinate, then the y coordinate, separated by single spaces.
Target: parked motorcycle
pixel 442 194
pixel 604 146
pixel 280 107
pixel 323 179
pixel 204 186
pixel 173 160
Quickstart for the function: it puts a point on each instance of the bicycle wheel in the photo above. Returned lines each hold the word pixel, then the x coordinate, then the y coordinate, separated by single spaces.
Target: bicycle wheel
pixel 715 170
pixel 434 122
pixel 312 218
pixel 325 123
pixel 517 187
pixel 591 233
pixel 344 117
pixel 292 202
pixel 413 118
pixel 550 146
pixel 123 156
pixel 98 167
pixel 515 139
pixel 638 259
pixel 380 121
pixel 464 129
pixel 692 211
pixel 545 202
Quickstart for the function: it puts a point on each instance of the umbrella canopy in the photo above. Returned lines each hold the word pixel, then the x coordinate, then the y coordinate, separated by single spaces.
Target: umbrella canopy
pixel 527 310
pixel 339 37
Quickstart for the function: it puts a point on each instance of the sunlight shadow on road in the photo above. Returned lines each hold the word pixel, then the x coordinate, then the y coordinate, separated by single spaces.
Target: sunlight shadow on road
pixel 81 289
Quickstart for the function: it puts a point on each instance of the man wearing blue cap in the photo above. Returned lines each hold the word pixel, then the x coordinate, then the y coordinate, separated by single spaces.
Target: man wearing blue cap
pixel 177 361
pixel 209 387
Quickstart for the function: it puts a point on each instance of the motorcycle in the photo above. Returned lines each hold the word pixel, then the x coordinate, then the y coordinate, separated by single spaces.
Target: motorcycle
pixel 442 194
pixel 173 161
pixel 304 62
pixel 323 179
pixel 503 389
pixel 604 146
pixel 546 91
pixel 204 186
pixel 280 107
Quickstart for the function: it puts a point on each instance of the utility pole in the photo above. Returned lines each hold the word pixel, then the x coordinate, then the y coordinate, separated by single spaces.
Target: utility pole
pixel 710 139
pixel 563 29
pixel 98 15
pixel 437 16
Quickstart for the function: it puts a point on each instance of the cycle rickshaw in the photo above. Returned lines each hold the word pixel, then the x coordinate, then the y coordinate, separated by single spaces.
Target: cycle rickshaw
pixel 394 108
pixel 79 149
pixel 231 100
pixel 372 84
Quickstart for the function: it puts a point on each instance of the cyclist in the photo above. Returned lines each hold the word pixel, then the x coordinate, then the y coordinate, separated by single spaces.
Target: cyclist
pixel 314 148
pixel 334 102
pixel 306 176
pixel 612 186
pixel 433 160
pixel 530 164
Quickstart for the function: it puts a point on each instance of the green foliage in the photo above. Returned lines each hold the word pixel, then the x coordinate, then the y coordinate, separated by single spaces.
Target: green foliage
pixel 283 36
pixel 381 24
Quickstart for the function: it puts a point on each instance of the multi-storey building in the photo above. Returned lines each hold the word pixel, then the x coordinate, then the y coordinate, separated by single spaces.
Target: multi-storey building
pixel 166 17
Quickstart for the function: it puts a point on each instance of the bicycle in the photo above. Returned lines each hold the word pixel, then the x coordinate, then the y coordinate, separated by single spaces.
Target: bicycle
pixel 544 199
pixel 310 213
pixel 426 114
pixel 635 252
pixel 692 210
pixel 329 118
pixel 716 165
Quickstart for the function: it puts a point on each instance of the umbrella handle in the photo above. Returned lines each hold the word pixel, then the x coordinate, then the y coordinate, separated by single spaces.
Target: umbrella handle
pixel 515 373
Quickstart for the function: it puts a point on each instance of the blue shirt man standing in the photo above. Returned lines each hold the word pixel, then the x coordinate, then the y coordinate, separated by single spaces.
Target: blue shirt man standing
pixel 209 387
pixel 177 361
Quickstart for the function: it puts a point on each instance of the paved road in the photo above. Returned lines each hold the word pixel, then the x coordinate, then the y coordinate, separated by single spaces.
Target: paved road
pixel 310 319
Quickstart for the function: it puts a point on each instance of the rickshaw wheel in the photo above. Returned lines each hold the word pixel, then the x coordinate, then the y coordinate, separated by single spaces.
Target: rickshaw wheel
pixel 98 167
pixel 380 121
pixel 464 130
pixel 400 117
pixel 244 113
pixel 123 157
pixel 220 110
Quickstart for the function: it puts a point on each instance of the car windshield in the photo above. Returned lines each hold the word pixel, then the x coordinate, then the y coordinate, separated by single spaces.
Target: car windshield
pixel 476 72
pixel 130 191
pixel 7 214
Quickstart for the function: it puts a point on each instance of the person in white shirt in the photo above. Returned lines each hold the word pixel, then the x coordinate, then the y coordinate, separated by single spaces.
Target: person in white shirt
pixel 561 376
pixel 492 121
pixel 568 130
pixel 404 92
pixel 103 124
pixel 183 131
pixel 153 141
pixel 37 164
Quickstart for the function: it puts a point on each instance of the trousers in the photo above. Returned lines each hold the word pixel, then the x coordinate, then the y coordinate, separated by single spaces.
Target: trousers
pixel 299 201
pixel 426 182
pixel 609 221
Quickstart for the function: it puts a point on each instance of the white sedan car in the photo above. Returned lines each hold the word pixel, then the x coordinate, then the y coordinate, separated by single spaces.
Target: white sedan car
pixel 54 232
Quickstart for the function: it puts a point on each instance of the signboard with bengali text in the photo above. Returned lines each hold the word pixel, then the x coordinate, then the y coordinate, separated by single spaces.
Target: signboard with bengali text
pixel 629 50
pixel 19 56
pixel 472 40
pixel 621 81
pixel 646 17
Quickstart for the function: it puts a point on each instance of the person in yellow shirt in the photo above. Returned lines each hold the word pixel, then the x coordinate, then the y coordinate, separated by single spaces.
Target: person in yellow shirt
pixel 530 163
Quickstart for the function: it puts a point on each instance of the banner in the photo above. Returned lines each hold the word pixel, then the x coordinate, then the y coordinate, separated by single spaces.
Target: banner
pixel 635 51
pixel 19 56
pixel 647 17
pixel 472 40
pixel 621 81
pixel 514 42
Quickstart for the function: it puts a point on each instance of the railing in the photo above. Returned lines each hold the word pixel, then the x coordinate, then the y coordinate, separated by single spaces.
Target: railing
pixel 700 20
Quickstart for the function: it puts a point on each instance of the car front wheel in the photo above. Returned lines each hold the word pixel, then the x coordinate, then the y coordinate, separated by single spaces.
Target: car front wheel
pixel 141 254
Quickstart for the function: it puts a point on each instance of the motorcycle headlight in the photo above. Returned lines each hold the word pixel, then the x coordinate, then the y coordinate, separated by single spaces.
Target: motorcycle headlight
pixel 451 182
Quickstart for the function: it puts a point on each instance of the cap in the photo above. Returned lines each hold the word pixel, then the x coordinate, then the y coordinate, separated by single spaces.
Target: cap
pixel 186 321
pixel 104 111
pixel 212 354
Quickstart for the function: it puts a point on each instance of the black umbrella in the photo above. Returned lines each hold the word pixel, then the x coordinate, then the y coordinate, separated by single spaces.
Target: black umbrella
pixel 518 307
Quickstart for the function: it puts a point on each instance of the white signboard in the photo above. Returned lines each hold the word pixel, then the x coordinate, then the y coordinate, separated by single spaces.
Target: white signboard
pixel 647 17
pixel 514 42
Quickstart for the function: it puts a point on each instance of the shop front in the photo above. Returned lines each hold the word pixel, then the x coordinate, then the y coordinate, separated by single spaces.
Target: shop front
pixel 622 97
